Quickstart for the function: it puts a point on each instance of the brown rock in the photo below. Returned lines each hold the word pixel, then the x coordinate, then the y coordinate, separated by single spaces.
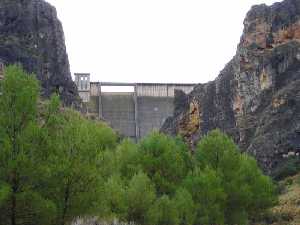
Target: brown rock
pixel 256 98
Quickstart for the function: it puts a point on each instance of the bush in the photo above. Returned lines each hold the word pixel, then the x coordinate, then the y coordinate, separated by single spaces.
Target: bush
pixel 128 159
pixel 165 161
pixel 208 194
pixel 289 181
pixel 298 180
pixel 248 192
pixel 115 198
pixel 140 196
pixel 281 188
pixel 185 206
pixel 163 212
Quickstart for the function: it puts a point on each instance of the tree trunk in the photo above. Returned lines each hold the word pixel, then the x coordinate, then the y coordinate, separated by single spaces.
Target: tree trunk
pixel 14 199
pixel 66 202
pixel 14 179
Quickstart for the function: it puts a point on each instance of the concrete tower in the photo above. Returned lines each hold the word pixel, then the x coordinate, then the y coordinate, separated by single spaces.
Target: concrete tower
pixel 82 81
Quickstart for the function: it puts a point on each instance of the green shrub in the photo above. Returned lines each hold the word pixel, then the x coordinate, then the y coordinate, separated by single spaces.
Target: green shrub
pixel 298 180
pixel 163 212
pixel 208 195
pixel 140 197
pixel 185 206
pixel 165 160
pixel 248 192
pixel 128 159
pixel 115 197
pixel 280 188
pixel 289 181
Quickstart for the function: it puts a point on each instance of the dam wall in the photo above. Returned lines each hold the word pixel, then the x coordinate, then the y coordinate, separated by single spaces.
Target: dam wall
pixel 133 114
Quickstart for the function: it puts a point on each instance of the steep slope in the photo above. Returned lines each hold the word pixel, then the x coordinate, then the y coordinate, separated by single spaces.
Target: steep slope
pixel 287 211
pixel 256 98
pixel 31 34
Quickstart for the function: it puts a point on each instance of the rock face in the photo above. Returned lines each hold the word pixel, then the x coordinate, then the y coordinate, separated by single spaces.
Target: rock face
pixel 256 98
pixel 31 34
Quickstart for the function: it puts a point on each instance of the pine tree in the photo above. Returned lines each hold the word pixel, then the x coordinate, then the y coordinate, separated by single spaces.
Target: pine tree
pixel 20 203
pixel 74 147
pixel 248 191
pixel 165 160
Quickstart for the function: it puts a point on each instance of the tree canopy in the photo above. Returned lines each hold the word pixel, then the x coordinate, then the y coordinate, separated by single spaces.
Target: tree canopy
pixel 56 165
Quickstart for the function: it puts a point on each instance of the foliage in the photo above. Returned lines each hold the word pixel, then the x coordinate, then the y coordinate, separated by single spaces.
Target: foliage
pixel 20 202
pixel 115 197
pixel 164 161
pixel 74 151
pixel 186 208
pixel 56 165
pixel 248 191
pixel 128 159
pixel 163 212
pixel 49 156
pixel 140 197
pixel 207 191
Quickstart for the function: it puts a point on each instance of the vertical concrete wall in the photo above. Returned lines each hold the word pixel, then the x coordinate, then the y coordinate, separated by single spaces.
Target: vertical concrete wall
pixel 152 112
pixel 118 109
pixel 155 105
pixel 132 114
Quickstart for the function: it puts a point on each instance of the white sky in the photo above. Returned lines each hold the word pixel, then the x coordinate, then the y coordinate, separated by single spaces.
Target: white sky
pixel 177 41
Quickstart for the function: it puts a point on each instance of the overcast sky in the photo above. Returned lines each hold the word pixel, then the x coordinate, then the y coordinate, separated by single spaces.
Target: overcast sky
pixel 178 41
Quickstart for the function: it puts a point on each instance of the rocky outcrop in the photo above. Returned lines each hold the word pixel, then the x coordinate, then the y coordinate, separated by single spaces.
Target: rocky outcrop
pixel 256 98
pixel 31 34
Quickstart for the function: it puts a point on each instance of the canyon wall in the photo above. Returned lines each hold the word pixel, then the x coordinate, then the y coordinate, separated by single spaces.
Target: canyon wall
pixel 256 97
pixel 32 35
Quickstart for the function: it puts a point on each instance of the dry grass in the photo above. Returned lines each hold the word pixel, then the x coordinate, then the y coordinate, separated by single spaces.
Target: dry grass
pixel 287 212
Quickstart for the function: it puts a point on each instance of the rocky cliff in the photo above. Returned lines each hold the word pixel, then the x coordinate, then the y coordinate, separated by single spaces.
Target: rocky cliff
pixel 31 34
pixel 256 98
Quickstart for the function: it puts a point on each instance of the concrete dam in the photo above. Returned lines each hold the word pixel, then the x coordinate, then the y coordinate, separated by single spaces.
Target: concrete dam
pixel 133 113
